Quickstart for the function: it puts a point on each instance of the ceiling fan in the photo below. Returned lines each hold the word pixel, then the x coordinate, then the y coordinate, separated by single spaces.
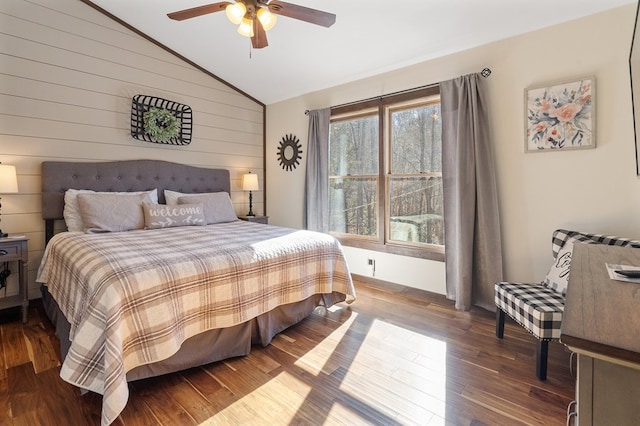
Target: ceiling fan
pixel 255 17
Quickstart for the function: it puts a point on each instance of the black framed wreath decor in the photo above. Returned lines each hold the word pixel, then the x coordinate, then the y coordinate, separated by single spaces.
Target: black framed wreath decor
pixel 160 120
pixel 289 152
pixel 161 124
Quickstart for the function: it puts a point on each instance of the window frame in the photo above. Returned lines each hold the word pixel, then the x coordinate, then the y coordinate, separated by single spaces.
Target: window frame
pixel 382 105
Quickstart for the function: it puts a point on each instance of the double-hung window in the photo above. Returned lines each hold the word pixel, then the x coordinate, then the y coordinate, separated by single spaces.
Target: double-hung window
pixel 385 174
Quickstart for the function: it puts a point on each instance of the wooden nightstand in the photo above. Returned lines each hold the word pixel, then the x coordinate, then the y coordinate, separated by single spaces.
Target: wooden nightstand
pixel 16 250
pixel 257 219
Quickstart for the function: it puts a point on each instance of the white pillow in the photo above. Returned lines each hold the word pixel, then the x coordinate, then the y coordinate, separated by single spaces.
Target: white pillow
pixel 217 206
pixel 71 212
pixel 112 212
pixel 558 277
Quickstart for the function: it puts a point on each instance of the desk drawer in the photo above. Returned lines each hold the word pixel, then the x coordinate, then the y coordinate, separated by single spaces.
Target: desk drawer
pixel 11 251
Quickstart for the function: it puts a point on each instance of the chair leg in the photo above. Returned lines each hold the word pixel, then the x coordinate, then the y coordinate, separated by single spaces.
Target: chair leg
pixel 500 323
pixel 542 351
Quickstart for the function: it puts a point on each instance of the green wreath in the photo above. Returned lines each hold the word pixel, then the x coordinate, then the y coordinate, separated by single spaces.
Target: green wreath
pixel 161 125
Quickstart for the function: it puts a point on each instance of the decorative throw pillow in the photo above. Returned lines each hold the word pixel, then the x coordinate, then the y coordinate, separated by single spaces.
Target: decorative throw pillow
pixel 112 212
pixel 163 216
pixel 217 206
pixel 558 277
pixel 71 212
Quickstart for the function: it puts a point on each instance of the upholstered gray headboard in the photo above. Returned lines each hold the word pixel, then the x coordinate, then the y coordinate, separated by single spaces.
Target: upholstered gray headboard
pixel 130 175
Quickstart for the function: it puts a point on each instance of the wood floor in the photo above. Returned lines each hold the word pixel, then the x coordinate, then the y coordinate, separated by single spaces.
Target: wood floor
pixel 393 357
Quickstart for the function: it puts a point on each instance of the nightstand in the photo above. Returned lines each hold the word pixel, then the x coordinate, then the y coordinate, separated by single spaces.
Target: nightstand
pixel 16 250
pixel 257 219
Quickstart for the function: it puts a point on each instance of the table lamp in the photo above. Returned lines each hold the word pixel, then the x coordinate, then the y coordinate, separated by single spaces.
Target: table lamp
pixel 8 185
pixel 250 183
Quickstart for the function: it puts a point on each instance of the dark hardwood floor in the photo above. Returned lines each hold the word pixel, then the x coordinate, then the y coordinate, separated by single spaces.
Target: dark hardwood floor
pixel 393 357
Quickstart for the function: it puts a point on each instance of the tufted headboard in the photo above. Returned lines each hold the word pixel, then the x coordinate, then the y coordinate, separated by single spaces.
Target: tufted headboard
pixel 130 175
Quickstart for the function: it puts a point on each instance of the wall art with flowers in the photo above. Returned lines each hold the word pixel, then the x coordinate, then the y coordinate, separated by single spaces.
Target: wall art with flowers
pixel 561 116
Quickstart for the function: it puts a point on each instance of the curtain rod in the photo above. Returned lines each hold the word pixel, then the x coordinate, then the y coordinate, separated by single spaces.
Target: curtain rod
pixel 486 72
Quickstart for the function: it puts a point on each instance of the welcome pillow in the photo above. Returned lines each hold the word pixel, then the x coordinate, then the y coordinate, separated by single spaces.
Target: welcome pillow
pixel 164 216
pixel 558 277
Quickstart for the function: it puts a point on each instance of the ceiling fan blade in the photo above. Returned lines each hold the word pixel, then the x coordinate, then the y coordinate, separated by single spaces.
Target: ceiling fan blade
pixel 181 15
pixel 302 13
pixel 259 39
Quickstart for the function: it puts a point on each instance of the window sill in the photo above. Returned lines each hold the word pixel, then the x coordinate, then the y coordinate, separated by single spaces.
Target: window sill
pixel 436 254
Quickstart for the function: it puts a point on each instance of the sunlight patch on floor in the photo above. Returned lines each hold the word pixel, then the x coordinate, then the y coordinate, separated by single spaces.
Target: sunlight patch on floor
pixel 323 357
pixel 390 378
pixel 341 414
pixel 275 402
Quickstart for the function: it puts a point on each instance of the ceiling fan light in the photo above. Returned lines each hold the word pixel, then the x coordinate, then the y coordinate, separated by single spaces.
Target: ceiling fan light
pixel 235 12
pixel 266 18
pixel 246 27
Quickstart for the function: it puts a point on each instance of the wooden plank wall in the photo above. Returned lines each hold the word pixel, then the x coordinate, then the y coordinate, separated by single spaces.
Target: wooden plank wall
pixel 67 76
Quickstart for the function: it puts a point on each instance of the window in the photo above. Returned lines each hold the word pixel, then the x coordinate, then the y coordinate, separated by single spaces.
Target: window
pixel 415 174
pixel 385 174
pixel 354 175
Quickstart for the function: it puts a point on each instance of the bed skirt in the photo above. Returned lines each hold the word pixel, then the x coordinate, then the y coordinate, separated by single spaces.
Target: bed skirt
pixel 213 345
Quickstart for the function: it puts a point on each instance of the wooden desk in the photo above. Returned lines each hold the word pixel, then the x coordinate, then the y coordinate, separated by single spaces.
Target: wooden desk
pixel 601 323
pixel 16 249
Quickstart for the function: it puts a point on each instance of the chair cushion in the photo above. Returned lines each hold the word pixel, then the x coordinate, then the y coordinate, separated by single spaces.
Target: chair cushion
pixel 534 306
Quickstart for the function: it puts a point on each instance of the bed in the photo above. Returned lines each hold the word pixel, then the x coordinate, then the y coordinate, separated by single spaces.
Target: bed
pixel 145 302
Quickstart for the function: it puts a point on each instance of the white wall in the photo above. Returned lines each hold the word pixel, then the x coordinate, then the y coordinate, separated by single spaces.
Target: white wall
pixel 67 76
pixel 589 190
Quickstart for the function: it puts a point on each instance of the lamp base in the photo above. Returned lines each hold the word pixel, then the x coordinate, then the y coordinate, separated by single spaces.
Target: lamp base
pixel 3 234
pixel 250 205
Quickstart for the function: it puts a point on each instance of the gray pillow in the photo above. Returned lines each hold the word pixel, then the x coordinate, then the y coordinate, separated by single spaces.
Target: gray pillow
pixel 112 212
pixel 171 197
pixel 71 213
pixel 217 206
pixel 163 216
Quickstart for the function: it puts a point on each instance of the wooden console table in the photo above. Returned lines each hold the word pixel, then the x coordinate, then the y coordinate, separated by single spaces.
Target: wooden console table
pixel 601 323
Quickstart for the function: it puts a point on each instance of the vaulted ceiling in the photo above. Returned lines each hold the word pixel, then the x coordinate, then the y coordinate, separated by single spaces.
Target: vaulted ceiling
pixel 368 38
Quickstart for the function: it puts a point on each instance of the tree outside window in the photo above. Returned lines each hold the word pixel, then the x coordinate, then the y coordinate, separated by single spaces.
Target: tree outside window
pixel 394 199
pixel 353 176
pixel 415 213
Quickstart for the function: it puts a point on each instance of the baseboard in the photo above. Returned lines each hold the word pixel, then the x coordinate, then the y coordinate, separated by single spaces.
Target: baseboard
pixel 411 292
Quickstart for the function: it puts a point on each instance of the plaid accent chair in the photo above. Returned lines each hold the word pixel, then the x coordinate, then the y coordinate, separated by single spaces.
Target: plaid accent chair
pixel 539 307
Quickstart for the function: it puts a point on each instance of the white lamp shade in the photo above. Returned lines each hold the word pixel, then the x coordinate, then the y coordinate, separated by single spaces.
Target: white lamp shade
pixel 8 179
pixel 250 182
pixel 246 27
pixel 235 12
pixel 266 18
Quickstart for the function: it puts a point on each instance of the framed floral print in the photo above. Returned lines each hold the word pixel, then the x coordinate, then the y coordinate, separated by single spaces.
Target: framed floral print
pixel 560 116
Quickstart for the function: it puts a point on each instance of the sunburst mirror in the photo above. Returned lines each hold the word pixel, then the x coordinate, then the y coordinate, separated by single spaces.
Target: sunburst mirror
pixel 289 152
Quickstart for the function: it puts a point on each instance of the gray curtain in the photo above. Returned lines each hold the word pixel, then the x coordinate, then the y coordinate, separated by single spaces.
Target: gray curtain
pixel 473 250
pixel 316 208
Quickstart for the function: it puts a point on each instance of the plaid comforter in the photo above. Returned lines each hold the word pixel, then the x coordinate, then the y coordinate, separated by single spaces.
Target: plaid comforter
pixel 133 297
